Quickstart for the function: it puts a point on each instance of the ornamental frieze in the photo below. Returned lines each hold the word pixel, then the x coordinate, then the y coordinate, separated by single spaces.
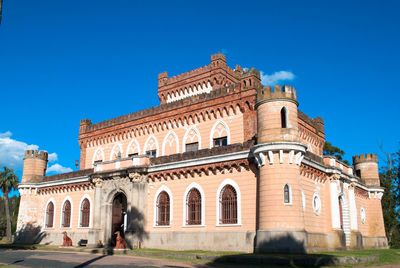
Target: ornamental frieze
pixel 313 173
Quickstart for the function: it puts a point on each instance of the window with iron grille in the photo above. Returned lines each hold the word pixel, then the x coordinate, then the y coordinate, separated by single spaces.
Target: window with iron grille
pixel 223 141
pixel 228 205
pixel 151 153
pixel 85 213
pixel 66 214
pixel 190 147
pixel 50 215
pixel 193 207
pixel 163 206
pixel 286 194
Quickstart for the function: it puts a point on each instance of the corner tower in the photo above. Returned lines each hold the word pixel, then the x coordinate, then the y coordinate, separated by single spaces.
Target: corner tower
pixel 35 165
pixel 279 153
pixel 366 167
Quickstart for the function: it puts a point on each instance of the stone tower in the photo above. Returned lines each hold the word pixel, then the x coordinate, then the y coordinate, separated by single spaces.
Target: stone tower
pixel 35 165
pixel 366 167
pixel 279 153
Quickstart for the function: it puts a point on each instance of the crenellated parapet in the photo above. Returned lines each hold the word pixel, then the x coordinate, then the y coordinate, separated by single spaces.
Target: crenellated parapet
pixel 36 154
pixel 201 80
pixel 35 165
pixel 84 125
pixel 365 158
pixel 250 79
pixel 366 168
pixel 277 92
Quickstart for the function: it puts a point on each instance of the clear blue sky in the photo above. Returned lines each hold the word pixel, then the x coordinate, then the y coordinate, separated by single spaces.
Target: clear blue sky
pixel 62 61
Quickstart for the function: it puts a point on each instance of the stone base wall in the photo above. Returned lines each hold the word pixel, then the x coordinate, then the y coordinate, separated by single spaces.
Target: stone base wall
pixel 243 241
pixel 305 242
pixel 375 242
pixel 211 240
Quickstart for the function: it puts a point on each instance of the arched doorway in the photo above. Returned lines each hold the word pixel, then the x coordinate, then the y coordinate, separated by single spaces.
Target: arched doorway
pixel 119 216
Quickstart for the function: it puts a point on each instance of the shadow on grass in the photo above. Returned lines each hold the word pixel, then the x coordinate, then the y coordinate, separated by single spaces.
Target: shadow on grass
pixel 283 251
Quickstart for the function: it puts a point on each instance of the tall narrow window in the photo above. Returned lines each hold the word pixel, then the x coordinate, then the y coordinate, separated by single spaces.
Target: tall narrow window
pixel 283 117
pixel 50 215
pixel 66 214
pixel 341 212
pixel 85 213
pixel 286 194
pixel 228 205
pixel 163 206
pixel 193 207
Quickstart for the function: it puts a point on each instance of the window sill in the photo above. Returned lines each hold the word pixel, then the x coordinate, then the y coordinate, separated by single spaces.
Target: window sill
pixel 161 226
pixel 80 227
pixel 65 228
pixel 288 204
pixel 229 225
pixel 193 226
pixel 49 228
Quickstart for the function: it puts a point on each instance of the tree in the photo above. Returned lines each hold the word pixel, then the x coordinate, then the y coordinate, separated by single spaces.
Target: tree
pixel 390 179
pixel 8 182
pixel 329 149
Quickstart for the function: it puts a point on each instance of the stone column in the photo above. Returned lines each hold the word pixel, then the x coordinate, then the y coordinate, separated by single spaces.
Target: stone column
pixel 353 209
pixel 94 233
pixel 334 202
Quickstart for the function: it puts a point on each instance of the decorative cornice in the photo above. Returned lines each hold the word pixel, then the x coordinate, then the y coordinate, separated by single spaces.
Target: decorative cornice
pixel 204 169
pixel 200 161
pixel 54 183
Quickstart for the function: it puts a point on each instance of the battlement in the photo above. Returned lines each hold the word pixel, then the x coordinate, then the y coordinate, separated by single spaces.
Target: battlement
pixel 43 155
pixel 251 72
pixel 201 80
pixel 278 92
pixel 365 158
pixel 85 122
pixel 217 60
pixel 218 56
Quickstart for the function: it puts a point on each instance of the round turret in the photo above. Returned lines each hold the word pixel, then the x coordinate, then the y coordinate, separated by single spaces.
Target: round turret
pixel 278 153
pixel 35 165
pixel 277 117
pixel 366 168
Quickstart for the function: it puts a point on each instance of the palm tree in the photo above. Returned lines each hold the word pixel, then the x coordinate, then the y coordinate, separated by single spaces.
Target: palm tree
pixel 8 182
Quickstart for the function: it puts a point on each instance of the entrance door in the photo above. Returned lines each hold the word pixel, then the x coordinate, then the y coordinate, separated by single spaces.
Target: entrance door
pixel 118 215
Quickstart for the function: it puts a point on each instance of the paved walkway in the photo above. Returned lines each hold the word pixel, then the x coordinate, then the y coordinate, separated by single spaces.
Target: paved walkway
pixel 35 258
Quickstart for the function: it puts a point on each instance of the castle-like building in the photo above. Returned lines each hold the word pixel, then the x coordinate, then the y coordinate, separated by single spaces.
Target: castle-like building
pixel 223 163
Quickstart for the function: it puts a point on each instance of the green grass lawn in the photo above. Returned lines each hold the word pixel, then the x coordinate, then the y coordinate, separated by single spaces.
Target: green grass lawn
pixel 385 256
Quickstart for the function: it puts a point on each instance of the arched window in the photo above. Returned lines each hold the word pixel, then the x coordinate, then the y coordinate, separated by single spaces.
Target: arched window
pixel 228 205
pixel 219 135
pixel 286 194
pixel 151 147
pixel 341 212
pixel 66 214
pixel 284 117
pixel 85 213
pixel 193 207
pixel 163 206
pixel 50 215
